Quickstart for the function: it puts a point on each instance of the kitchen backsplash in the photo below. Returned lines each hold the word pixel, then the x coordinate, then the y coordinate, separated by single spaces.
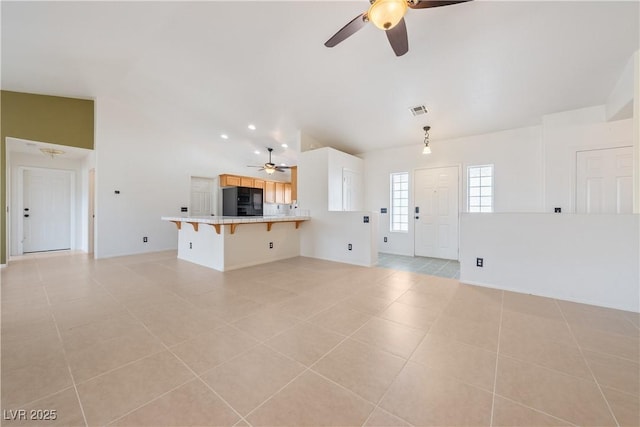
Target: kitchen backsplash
pixel 274 209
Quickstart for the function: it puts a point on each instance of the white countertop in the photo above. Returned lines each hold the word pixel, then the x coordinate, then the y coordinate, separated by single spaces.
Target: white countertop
pixel 235 219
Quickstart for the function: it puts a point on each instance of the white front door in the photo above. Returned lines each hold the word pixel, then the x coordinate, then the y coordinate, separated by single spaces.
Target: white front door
pixel 604 182
pixel 436 212
pixel 46 210
pixel 203 200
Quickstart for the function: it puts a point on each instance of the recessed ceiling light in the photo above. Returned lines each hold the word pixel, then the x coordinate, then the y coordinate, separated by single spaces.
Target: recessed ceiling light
pixel 283 164
pixel 252 127
pixel 224 136
pixel 257 152
pixel 284 146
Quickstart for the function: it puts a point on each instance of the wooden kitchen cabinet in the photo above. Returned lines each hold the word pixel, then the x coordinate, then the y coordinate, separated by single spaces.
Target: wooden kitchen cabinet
pixel 294 183
pixel 230 181
pixel 270 192
pixel 287 193
pixel 279 192
pixel 273 191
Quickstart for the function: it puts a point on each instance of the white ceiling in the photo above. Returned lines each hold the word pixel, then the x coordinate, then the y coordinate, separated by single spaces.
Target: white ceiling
pixel 213 67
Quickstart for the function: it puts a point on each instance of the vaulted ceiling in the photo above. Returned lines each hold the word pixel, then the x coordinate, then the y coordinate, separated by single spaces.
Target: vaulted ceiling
pixel 213 67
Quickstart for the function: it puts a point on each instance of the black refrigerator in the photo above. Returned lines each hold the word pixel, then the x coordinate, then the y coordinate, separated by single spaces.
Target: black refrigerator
pixel 242 201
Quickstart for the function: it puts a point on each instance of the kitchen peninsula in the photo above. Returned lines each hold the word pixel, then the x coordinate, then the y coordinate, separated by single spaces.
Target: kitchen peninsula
pixel 228 243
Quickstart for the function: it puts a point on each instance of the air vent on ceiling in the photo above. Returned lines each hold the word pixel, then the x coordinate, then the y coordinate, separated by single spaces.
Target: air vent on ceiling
pixel 418 110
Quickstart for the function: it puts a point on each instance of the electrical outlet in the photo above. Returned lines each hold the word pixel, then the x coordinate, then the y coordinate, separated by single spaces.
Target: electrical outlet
pixel 145 239
pixel 557 210
pixel 190 245
pixel 385 239
pixel 350 247
pixel 366 220
pixel 270 245
pixel 479 262
pixel 184 209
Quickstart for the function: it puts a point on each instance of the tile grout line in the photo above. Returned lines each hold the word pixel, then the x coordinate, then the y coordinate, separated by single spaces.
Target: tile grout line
pixel 242 353
pixel 305 370
pixel 408 359
pixel 167 348
pixel 306 321
pixel 309 368
pixel 575 340
pixel 64 353
pixel 495 375
pixel 152 400
pixel 537 410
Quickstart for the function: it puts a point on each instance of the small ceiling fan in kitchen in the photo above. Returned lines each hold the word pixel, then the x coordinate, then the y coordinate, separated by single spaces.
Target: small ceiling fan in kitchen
pixel 270 167
pixel 388 15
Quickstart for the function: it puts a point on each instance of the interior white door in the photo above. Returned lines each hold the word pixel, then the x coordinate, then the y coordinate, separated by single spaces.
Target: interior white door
pixel 604 182
pixel 436 212
pixel 203 200
pixel 46 210
pixel 349 184
pixel 92 210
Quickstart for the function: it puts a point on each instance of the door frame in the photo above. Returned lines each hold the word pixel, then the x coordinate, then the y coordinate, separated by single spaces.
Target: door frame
pixel 574 174
pixel 461 198
pixel 18 225
pixel 216 202
pixel 356 175
pixel 91 209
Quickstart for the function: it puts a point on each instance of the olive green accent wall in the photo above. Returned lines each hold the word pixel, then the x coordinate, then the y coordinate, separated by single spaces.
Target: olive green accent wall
pixel 43 118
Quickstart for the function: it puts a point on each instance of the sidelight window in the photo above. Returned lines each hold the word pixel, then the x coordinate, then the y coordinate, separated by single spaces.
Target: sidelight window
pixel 400 202
pixel 480 188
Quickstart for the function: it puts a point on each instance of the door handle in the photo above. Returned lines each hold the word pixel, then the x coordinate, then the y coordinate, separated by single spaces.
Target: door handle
pixel 417 217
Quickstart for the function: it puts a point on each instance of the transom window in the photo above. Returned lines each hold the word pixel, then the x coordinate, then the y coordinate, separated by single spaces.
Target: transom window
pixel 400 202
pixel 480 188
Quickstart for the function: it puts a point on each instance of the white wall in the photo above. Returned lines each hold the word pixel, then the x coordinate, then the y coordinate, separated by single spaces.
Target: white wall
pixel 516 156
pixel 327 234
pixel 564 134
pixel 151 164
pixel 249 245
pixel 16 161
pixel 592 259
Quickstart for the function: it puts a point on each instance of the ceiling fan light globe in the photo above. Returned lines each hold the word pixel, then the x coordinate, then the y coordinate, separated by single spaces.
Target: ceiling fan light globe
pixel 385 14
pixel 269 171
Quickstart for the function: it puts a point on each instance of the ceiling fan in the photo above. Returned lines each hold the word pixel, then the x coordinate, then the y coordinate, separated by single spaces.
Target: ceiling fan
pixel 270 167
pixel 388 15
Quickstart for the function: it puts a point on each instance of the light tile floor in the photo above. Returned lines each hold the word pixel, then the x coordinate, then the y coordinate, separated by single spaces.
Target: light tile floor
pixel 433 266
pixel 152 340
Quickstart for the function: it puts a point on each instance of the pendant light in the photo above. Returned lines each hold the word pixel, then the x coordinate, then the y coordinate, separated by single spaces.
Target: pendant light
pixel 426 149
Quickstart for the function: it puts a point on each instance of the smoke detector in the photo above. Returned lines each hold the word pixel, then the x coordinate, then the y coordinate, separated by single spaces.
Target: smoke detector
pixel 418 110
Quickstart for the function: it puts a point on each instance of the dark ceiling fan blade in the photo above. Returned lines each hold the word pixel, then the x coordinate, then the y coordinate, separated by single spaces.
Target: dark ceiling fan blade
pixel 398 38
pixel 423 4
pixel 348 30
